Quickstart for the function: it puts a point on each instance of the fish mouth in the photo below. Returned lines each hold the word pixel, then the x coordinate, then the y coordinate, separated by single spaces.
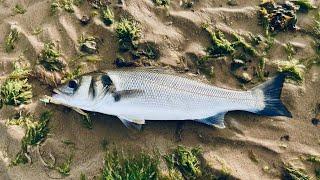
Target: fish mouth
pixel 56 91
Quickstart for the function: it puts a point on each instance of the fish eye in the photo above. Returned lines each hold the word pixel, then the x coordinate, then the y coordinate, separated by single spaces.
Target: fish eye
pixel 73 84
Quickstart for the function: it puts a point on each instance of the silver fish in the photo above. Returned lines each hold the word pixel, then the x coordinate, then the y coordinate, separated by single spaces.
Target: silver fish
pixel 139 95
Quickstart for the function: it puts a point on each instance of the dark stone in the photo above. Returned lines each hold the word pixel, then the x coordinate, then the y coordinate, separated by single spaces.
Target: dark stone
pixel 236 63
pixel 285 138
pixel 85 20
pixel 315 121
pixel 232 2
pixel 89 47
pixel 120 62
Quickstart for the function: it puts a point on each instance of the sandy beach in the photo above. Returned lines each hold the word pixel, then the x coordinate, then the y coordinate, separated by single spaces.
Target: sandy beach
pixel 250 147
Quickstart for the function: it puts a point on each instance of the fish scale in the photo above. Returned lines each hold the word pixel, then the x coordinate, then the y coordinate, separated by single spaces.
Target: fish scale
pixel 167 92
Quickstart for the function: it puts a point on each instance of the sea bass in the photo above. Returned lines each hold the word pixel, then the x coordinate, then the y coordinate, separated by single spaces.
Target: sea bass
pixel 138 95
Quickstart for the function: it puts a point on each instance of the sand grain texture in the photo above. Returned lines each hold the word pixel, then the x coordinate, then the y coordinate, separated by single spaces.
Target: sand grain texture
pixel 178 34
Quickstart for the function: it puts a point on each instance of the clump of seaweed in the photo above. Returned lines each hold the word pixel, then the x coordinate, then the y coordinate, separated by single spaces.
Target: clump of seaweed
pixel 83 176
pixel 313 159
pixel 316 26
pixel 88 44
pixel 240 42
pixel 16 90
pixel 120 166
pixel 220 45
pixel 122 62
pixel 293 68
pixel 292 173
pixel 290 50
pixel 49 58
pixel 276 17
pixel 186 161
pixel 304 5
pixel 165 3
pixel 64 169
pixel 107 16
pixel 99 3
pixel 72 75
pixel 148 50
pixel 317 172
pixel 11 39
pixel 128 32
pixel 19 71
pixel 66 5
pixel 187 4
pixel 19 9
pixel 36 132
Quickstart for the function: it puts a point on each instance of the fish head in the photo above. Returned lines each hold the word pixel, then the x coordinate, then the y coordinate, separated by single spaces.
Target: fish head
pixel 75 93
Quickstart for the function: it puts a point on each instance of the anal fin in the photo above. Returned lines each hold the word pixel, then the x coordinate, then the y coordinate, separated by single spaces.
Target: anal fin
pixel 216 121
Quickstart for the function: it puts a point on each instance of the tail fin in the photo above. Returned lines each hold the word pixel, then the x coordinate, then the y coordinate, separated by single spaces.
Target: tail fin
pixel 272 92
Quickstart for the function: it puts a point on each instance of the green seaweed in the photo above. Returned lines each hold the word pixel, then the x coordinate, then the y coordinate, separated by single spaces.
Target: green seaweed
pixel 220 46
pixel 66 5
pixel 313 159
pixel 165 3
pixel 293 68
pixel 20 158
pixel 304 5
pixel 87 122
pixel 64 169
pixel 186 161
pixel 49 58
pixel 36 132
pixel 317 172
pixel 120 166
pixel 128 32
pixel 245 46
pixel 290 50
pixel 37 31
pixel 316 26
pixel 19 71
pixel 83 176
pixel 107 16
pixel 19 9
pixel 292 173
pixel 11 39
pixel 16 92
pixel 261 68
pixel 72 75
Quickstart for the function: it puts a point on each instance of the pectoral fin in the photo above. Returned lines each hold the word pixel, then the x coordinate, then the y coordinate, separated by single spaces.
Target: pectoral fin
pixel 80 111
pixel 132 123
pixel 216 121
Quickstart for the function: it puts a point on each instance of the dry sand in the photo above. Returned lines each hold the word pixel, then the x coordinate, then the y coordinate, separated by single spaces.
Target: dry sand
pixel 177 32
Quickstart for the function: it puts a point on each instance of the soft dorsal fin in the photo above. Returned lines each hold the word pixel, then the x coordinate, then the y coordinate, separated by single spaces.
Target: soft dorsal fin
pixel 216 121
pixel 117 95
pixel 132 123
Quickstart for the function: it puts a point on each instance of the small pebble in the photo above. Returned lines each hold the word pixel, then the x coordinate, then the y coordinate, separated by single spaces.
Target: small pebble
pixel 89 47
pixel 315 121
pixel 85 20
pixel 285 138
pixel 232 2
